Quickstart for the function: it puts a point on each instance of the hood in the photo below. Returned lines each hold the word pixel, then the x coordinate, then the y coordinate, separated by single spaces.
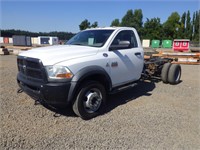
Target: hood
pixel 55 54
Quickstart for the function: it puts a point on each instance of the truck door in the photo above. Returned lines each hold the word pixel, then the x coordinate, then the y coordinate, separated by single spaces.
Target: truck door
pixel 125 58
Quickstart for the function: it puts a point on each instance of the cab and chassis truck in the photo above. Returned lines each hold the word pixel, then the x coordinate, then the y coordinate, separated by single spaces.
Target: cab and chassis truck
pixel 93 63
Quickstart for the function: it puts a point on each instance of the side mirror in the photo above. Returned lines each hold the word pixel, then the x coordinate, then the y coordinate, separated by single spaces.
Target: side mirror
pixel 120 45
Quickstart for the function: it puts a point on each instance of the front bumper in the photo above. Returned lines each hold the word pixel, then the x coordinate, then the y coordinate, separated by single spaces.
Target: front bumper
pixel 54 93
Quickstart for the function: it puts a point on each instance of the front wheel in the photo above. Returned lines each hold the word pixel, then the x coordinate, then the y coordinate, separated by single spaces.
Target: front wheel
pixel 90 100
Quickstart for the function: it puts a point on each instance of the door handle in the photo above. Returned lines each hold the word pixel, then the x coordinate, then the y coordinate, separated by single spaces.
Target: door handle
pixel 137 53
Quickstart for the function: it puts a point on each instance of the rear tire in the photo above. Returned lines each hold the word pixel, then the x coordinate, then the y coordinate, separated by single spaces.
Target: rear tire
pixel 90 100
pixel 164 72
pixel 174 74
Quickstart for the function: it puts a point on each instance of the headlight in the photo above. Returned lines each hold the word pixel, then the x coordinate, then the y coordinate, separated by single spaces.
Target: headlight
pixel 58 72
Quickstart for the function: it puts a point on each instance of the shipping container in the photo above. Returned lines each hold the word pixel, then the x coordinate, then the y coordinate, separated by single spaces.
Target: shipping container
pixel 47 40
pixel 34 40
pixel 167 43
pixel 54 40
pixel 145 43
pixel 6 40
pixel 1 39
pixel 21 40
pixel 28 41
pixel 181 45
pixel 155 43
pixel 10 40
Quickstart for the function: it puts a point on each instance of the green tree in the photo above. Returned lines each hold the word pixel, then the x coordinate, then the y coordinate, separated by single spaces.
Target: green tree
pixel 84 25
pixel 137 20
pixel 127 20
pixel 94 25
pixel 196 26
pixel 60 35
pixel 171 26
pixel 181 31
pixel 188 30
pixel 115 23
pixel 193 25
pixel 133 20
pixel 152 29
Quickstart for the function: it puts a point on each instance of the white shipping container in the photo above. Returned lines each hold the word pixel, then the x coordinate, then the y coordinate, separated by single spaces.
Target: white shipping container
pixel 53 40
pixel 1 39
pixel 34 40
pixel 11 40
pixel 145 43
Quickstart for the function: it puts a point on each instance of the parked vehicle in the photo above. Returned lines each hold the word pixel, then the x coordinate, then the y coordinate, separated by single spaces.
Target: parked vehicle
pixel 92 64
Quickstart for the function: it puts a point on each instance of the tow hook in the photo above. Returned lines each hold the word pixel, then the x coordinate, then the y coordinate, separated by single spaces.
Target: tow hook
pixel 19 91
pixel 37 102
pixel 57 115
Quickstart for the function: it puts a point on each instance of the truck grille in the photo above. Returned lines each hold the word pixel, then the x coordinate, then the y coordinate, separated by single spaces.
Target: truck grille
pixel 31 69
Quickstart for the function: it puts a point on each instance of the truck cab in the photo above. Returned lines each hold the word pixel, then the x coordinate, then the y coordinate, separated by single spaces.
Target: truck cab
pixel 82 72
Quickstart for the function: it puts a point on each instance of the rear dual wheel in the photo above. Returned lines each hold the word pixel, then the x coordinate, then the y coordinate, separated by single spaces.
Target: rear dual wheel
pixel 171 73
pixel 164 72
pixel 174 74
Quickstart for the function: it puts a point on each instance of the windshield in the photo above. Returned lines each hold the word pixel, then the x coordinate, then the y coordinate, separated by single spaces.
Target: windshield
pixel 94 38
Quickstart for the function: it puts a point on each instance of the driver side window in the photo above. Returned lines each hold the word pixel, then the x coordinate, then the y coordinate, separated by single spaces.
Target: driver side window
pixel 127 36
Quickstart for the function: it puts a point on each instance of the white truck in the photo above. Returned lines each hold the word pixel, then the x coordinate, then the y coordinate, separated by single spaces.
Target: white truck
pixel 92 64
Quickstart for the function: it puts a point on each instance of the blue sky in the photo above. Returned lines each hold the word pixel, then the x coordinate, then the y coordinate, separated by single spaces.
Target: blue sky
pixel 66 15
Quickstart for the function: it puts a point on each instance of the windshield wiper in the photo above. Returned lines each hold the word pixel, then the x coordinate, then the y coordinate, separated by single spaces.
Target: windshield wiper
pixel 76 44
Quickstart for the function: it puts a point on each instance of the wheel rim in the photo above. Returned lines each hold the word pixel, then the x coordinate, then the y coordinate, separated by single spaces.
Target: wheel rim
pixel 92 100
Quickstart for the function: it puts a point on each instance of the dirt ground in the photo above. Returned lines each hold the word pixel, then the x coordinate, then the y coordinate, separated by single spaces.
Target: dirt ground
pixel 151 115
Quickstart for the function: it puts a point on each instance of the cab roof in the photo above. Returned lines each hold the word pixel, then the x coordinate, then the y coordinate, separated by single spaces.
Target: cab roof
pixel 109 28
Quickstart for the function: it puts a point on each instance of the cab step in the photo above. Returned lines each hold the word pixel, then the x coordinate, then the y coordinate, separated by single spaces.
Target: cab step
pixel 122 88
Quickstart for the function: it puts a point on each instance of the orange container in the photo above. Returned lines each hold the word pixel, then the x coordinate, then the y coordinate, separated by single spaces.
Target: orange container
pixel 6 40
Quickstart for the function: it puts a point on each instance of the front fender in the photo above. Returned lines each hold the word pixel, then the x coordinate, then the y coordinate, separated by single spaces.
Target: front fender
pixel 86 73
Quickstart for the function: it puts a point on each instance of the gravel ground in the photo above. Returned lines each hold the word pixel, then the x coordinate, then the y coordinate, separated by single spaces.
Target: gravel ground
pixel 152 115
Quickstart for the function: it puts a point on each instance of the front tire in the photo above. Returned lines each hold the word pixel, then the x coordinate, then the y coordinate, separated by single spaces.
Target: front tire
pixel 90 100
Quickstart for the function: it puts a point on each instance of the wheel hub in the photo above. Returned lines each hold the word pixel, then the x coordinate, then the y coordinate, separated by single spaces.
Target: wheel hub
pixel 93 100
